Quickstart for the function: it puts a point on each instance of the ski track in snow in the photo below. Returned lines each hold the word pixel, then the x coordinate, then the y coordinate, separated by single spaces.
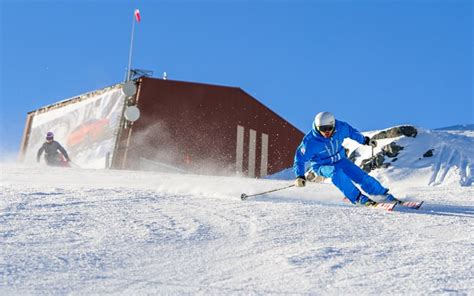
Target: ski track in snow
pixel 83 231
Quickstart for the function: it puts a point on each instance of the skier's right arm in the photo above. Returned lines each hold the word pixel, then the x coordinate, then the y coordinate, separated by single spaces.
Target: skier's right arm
pixel 298 165
pixel 301 157
pixel 40 151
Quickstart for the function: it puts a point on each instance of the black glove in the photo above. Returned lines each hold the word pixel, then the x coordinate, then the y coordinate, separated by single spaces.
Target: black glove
pixel 300 181
pixel 368 141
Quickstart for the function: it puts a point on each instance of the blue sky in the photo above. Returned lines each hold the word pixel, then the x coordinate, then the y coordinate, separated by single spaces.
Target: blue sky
pixel 373 63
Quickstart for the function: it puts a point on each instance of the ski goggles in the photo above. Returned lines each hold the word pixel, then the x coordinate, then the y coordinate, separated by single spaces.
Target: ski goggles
pixel 325 128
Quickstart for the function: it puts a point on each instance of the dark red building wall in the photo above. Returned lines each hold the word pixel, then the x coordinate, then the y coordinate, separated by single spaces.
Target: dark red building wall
pixel 194 126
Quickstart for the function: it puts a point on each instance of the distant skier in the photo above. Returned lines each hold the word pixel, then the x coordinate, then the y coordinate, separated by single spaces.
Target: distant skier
pixel 322 146
pixel 54 153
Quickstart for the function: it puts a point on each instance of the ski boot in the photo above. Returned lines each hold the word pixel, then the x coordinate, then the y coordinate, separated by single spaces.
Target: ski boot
pixel 366 201
pixel 390 198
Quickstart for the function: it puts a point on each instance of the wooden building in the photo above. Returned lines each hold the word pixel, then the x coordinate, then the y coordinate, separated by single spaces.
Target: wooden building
pixel 183 126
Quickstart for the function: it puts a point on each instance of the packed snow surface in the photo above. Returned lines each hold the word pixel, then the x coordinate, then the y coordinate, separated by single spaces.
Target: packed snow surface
pixel 79 231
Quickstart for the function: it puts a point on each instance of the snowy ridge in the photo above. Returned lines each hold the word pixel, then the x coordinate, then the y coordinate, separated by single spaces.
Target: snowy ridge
pixel 459 127
pixel 452 163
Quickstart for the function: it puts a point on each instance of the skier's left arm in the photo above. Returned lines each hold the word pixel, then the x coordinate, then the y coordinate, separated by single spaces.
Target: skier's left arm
pixel 63 151
pixel 358 137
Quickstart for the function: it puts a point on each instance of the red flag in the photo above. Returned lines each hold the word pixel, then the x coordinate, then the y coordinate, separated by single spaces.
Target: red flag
pixel 137 15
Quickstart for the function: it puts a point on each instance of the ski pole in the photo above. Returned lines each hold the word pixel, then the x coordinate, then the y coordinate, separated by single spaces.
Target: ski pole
pixel 372 162
pixel 245 196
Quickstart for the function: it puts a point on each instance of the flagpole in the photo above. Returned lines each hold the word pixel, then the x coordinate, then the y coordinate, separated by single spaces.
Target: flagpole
pixel 129 72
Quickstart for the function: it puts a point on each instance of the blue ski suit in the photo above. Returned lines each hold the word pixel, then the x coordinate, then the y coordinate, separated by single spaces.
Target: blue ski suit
pixel 328 159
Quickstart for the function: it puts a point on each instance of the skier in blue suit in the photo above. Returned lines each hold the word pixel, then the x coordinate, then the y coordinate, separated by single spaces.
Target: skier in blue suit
pixel 322 146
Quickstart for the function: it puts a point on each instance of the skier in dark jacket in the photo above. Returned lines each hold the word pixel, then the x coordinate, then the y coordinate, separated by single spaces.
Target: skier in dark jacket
pixel 54 153
pixel 322 146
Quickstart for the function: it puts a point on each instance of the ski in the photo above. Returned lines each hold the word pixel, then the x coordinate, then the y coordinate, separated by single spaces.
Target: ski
pixel 379 205
pixel 383 206
pixel 410 204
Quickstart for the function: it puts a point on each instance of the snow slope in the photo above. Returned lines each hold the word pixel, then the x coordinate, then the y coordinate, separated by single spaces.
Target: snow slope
pixel 77 231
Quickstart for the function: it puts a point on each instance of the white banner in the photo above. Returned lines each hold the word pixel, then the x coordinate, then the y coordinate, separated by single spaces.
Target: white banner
pixel 87 129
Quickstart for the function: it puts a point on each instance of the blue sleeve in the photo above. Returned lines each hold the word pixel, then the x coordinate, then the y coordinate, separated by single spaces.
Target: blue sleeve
pixel 354 134
pixel 301 157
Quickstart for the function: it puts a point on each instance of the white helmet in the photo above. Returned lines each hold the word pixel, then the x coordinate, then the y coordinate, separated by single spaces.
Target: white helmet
pixel 325 119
